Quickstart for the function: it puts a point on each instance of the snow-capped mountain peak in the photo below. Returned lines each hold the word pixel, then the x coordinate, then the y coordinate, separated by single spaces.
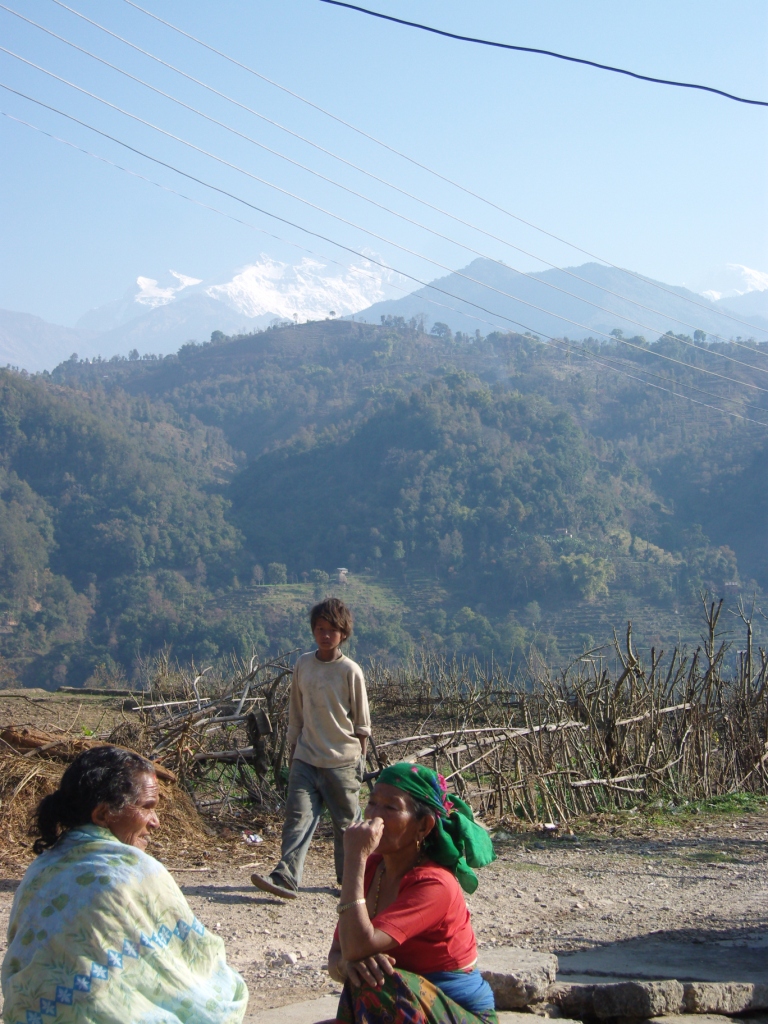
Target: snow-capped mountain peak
pixel 309 290
pixel 731 280
pixel 149 294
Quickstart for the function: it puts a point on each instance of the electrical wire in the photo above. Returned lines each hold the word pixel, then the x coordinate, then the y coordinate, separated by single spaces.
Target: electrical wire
pixel 658 387
pixel 552 341
pixel 371 175
pixel 357 194
pixel 352 192
pixel 430 170
pixel 197 202
pixel 606 357
pixel 545 53
pixel 374 234
pixel 267 213
pixel 229 216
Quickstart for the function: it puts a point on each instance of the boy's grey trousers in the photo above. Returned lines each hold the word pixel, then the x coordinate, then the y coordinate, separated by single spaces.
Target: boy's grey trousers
pixel 309 788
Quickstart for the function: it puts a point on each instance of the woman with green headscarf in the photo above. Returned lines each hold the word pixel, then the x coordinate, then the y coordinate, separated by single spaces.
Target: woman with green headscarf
pixel 404 946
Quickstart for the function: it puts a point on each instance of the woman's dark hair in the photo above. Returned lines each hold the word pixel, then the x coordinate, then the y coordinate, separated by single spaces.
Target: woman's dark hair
pixel 107 775
pixel 422 810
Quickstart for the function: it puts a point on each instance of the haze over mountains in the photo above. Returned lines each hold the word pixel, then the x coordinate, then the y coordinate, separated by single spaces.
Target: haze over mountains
pixel 497 492
pixel 576 302
pixel 159 317
pixel 567 303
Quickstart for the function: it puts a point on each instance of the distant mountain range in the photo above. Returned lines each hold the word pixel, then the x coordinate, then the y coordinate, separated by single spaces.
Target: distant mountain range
pixel 159 318
pixel 566 303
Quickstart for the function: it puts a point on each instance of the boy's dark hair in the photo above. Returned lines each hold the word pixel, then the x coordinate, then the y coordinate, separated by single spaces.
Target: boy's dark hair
pixel 334 611
pixel 106 774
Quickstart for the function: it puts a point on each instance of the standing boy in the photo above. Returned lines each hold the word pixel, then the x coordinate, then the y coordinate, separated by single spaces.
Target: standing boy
pixel 328 729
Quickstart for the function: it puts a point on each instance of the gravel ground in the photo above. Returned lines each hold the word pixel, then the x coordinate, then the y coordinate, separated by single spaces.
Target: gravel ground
pixel 617 878
pixel 706 882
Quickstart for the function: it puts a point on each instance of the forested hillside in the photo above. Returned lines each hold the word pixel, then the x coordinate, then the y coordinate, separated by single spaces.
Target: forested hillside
pixel 484 494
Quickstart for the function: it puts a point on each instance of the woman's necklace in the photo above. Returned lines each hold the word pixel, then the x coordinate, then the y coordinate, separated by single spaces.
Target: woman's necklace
pixel 380 873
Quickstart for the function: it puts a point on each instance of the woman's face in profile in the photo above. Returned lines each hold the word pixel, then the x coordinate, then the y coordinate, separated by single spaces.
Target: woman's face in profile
pixel 134 823
pixel 393 806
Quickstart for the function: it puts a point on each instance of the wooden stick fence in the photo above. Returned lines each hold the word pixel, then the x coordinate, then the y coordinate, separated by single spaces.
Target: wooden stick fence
pixel 537 745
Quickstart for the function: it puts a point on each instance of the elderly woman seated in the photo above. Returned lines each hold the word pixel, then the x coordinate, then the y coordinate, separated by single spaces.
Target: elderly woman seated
pixel 404 946
pixel 99 931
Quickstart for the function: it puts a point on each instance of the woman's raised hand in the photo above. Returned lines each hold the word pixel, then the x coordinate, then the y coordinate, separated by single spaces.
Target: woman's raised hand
pixel 362 838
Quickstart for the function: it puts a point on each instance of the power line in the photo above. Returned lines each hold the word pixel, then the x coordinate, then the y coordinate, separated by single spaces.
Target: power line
pixel 608 359
pixel 374 234
pixel 354 192
pixel 545 53
pixel 223 213
pixel 658 387
pixel 430 170
pixel 267 213
pixel 196 202
pixel 375 177
pixel 553 341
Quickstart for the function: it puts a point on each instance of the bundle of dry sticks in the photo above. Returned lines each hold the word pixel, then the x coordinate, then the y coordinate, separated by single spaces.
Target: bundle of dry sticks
pixel 537 745
pixel 224 737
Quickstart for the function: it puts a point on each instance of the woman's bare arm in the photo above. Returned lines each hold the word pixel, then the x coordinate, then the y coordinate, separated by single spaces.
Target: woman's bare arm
pixel 357 936
pixel 369 971
pixel 335 962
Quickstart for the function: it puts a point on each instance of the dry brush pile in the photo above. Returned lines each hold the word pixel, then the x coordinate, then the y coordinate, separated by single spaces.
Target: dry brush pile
pixel 223 734
pixel 608 732
pixel 536 745
pixel 592 738
pixel 31 765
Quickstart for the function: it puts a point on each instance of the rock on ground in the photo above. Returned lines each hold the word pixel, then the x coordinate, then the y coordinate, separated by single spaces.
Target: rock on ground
pixel 676 1018
pixel 638 999
pixel 725 997
pixel 517 976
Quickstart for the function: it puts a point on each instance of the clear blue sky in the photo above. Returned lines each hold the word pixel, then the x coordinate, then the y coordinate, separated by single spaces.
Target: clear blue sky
pixel 664 181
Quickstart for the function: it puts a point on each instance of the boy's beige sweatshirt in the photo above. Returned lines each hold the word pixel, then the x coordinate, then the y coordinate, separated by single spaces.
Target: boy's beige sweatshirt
pixel 328 710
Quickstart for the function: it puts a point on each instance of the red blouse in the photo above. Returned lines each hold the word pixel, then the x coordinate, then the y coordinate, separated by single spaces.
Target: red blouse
pixel 429 920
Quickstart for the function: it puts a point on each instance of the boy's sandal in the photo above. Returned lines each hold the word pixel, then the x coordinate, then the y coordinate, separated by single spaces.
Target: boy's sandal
pixel 267 885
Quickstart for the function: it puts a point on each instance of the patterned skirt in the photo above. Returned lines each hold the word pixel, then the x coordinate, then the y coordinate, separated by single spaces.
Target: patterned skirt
pixel 405 998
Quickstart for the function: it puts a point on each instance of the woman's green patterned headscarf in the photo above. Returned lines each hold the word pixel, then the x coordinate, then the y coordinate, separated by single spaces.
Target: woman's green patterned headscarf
pixel 456 842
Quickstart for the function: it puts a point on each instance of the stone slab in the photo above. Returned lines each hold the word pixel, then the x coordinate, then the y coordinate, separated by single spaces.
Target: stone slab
pixel 725 997
pixel 677 1018
pixel 311 1011
pixel 701 998
pixel 656 958
pixel 518 977
pixel 573 999
pixel 638 999
pixel 516 1017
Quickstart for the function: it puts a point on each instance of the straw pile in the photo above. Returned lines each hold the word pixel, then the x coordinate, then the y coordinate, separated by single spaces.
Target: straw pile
pixel 31 765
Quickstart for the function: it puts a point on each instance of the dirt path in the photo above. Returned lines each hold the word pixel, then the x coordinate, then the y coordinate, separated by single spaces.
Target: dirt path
pixel 706 884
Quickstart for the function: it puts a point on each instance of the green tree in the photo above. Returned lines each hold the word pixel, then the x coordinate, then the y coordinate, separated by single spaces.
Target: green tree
pixel 277 573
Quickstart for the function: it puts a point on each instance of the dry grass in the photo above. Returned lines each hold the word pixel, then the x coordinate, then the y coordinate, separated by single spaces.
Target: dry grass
pixel 23 784
pixel 589 740
pixel 608 734
pixel 24 781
